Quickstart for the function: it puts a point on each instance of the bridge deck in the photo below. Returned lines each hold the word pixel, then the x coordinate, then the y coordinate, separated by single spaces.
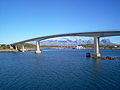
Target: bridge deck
pixel 86 34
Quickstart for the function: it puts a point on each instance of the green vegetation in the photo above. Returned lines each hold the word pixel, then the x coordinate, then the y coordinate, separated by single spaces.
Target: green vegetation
pixel 9 47
pixel 26 45
pixel 111 47
pixel 91 46
pixel 4 46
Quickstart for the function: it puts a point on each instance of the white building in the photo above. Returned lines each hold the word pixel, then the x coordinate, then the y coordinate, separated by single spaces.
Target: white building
pixel 80 47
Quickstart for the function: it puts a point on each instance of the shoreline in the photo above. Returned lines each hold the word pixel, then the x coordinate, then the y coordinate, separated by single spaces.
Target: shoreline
pixel 9 51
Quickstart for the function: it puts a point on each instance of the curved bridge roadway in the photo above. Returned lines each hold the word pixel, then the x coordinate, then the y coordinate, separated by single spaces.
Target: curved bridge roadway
pixel 96 36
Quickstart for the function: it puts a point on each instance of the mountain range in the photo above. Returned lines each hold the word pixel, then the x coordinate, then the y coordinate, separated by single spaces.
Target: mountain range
pixel 69 42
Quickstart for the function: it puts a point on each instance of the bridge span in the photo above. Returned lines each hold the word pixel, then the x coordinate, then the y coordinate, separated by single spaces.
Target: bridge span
pixel 95 35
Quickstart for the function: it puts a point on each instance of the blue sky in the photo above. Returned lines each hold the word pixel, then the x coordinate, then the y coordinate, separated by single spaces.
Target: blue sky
pixel 25 19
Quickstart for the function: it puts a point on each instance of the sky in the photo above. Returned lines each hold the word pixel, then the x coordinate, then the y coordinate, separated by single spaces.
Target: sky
pixel 26 19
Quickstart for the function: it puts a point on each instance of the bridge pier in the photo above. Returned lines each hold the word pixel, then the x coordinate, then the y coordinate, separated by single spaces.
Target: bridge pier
pixel 11 47
pixel 37 47
pixel 16 48
pixel 96 47
pixel 23 48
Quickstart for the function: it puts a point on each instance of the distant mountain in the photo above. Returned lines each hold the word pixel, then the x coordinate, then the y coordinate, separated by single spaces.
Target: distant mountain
pixel 91 41
pixel 68 42
pixel 106 42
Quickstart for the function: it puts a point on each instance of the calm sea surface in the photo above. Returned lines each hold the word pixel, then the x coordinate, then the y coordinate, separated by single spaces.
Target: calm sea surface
pixel 59 69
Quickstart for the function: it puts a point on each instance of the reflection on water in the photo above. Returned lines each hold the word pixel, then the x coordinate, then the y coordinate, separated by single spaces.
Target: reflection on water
pixel 63 69
pixel 96 66
pixel 37 57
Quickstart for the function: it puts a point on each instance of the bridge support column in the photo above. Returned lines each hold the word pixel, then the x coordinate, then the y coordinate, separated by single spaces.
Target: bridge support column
pixel 11 47
pixel 38 47
pixel 16 48
pixel 23 48
pixel 96 47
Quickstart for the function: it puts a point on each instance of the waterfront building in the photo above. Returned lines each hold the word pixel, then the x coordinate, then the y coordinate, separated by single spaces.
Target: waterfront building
pixel 80 47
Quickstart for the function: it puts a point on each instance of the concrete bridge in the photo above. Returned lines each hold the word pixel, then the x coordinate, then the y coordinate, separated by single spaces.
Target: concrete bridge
pixel 95 35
